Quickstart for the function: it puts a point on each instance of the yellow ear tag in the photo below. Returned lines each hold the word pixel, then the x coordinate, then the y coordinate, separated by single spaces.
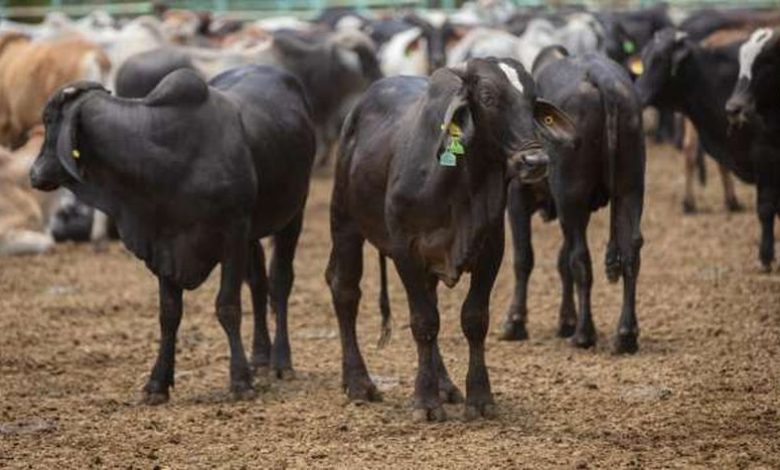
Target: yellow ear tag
pixel 76 154
pixel 549 120
pixel 636 66
pixel 455 130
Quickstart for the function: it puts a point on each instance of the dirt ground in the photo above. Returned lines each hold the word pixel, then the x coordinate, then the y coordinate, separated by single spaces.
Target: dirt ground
pixel 78 336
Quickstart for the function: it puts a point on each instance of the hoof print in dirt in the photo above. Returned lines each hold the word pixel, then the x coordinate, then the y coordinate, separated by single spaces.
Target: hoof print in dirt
pixel 429 415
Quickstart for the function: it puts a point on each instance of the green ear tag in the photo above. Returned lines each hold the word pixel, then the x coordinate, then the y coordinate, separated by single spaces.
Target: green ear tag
pixel 447 159
pixel 456 147
pixel 76 154
pixel 629 47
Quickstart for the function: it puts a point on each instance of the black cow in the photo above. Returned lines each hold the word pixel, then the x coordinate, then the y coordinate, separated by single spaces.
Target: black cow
pixel 702 23
pixel 697 81
pixel 436 34
pixel 194 175
pixel 627 32
pixel 422 176
pixel 755 98
pixel 142 72
pixel 606 167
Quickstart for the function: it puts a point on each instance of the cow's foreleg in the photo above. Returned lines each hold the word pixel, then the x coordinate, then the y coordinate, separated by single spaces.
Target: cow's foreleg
pixel 281 280
pixel 258 285
pixel 448 392
pixel 228 306
pixel 345 269
pixel 567 316
pixel 689 149
pixel 575 226
pixel 161 378
pixel 519 206
pixel 474 318
pixel 629 212
pixel 425 329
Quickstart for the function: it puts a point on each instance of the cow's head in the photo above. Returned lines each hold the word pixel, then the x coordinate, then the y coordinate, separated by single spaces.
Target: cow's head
pixel 494 105
pixel 662 59
pixel 759 66
pixel 356 52
pixel 57 163
pixel 437 34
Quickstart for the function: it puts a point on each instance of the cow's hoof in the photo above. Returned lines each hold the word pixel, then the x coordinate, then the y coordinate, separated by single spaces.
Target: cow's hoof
pixel 733 205
pixel 449 393
pixel 765 267
pixel 513 331
pixel 363 391
pixel 689 207
pixel 241 390
pixel 583 340
pixel 614 270
pixel 155 393
pixel 286 373
pixel 433 415
pixel 626 342
pixel 485 410
pixel 154 398
pixel 566 330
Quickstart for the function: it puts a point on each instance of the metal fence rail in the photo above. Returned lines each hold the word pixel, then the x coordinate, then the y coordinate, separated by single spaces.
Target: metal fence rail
pixel 32 9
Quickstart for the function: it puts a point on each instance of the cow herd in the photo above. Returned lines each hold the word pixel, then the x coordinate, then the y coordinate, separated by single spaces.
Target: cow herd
pixel 194 137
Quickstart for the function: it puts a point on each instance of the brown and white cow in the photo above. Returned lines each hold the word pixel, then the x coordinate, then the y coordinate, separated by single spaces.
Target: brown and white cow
pixel 30 71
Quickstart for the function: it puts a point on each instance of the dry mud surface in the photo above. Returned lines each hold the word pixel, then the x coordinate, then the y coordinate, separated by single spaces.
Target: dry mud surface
pixel 78 335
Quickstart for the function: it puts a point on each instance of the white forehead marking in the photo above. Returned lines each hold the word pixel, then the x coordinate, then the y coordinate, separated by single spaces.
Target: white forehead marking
pixel 750 50
pixel 511 75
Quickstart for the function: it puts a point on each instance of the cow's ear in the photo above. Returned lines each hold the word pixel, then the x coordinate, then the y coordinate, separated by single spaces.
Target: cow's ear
pixel 68 150
pixel 554 124
pixel 446 111
pixel 681 51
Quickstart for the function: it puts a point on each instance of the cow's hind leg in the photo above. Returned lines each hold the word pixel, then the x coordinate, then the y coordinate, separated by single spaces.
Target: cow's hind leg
pixel 281 281
pixel 729 193
pixel 475 316
pixel 234 268
pixel 425 329
pixel 161 379
pixel 689 151
pixel 575 226
pixel 345 269
pixel 258 285
pixel 520 211
pixel 629 213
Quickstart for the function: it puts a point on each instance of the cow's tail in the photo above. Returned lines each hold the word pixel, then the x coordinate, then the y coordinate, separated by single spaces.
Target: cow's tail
pixel 384 304
pixel 613 262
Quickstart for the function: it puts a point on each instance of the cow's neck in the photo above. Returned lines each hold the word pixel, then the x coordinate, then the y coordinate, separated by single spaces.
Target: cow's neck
pixel 481 206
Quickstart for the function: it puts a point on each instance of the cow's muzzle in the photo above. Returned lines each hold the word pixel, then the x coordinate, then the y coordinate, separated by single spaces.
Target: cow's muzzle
pixel 530 165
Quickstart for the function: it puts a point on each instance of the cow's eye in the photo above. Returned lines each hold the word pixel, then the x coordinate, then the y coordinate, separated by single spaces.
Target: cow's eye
pixel 487 98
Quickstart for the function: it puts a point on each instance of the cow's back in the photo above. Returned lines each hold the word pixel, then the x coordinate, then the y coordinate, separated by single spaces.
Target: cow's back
pixel 277 124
